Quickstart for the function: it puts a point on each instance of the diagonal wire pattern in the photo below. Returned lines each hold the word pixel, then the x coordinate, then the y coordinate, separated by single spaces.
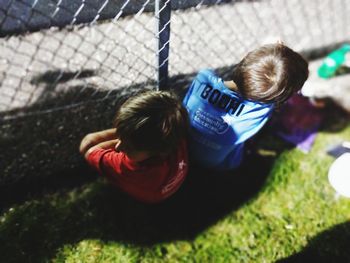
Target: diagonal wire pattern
pixel 116 41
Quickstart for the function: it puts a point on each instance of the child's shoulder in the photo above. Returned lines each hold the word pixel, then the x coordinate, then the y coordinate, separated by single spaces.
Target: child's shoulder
pixel 207 75
pixel 206 72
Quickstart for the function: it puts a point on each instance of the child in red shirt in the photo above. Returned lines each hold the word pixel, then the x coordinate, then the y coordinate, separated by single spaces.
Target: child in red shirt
pixel 145 155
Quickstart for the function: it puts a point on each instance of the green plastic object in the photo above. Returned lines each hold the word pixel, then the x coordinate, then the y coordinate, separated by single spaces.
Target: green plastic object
pixel 333 61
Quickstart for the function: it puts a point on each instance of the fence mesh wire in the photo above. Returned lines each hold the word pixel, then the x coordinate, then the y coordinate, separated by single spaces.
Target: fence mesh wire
pixel 95 56
pixel 118 52
pixel 60 54
pixel 223 33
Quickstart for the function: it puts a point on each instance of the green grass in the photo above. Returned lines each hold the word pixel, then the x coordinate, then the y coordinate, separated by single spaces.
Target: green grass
pixel 279 206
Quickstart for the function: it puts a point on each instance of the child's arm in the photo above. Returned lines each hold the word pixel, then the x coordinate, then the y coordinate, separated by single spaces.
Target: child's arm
pixel 111 144
pixel 105 138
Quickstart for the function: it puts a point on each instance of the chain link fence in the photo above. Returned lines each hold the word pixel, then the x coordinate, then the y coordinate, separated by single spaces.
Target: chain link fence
pixel 99 46
pixel 64 65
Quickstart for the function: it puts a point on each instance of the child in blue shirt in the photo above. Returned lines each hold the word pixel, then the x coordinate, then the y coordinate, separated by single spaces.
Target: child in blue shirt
pixel 224 114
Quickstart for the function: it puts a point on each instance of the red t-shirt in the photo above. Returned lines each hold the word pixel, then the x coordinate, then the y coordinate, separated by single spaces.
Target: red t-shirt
pixel 151 181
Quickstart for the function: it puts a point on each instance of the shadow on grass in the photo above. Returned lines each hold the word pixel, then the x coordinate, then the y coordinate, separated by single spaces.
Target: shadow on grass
pixel 37 186
pixel 335 118
pixel 99 211
pixel 331 246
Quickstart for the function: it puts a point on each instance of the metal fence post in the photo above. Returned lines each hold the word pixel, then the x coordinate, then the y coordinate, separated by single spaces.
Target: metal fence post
pixel 162 14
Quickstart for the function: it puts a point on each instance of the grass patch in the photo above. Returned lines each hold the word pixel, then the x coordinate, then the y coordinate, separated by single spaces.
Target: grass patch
pixel 278 207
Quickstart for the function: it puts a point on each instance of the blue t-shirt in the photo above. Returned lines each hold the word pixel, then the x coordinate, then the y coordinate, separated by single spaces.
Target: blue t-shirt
pixel 221 121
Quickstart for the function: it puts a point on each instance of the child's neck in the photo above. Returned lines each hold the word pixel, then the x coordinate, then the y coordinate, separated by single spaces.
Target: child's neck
pixel 231 85
pixel 139 156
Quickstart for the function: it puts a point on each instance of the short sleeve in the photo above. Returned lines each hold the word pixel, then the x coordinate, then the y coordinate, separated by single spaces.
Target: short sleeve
pixel 206 75
pixel 96 156
pixel 203 77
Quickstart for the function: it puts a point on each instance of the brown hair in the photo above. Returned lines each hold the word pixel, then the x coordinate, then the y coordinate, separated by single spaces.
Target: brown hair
pixel 271 73
pixel 152 121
